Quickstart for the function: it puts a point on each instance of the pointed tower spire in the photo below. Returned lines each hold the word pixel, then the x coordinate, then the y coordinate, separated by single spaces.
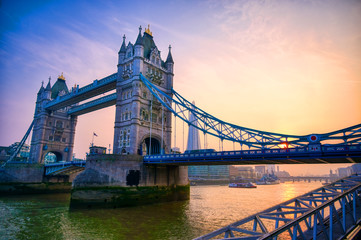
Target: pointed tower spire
pixel 122 48
pixel 48 87
pixel 169 57
pixel 41 90
pixel 139 38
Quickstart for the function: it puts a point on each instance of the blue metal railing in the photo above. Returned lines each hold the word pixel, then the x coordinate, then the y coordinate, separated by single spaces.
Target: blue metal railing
pixel 56 168
pixel 329 212
pixel 324 151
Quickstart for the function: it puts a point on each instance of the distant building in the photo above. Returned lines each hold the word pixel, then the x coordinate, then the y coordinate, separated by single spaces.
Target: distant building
pixel 270 169
pixel 4 153
pixel 260 169
pixel 95 150
pixel 175 150
pixel 282 173
pixel 243 172
pixel 356 168
pixel 344 172
pixel 24 151
pixel 207 172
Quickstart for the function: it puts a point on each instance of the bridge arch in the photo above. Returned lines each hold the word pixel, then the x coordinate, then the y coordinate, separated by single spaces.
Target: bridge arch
pixel 52 157
pixel 153 142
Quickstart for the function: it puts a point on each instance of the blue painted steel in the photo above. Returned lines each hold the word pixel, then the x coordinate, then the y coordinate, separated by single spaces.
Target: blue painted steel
pixel 21 144
pixel 326 154
pixel 81 94
pixel 252 138
pixel 314 215
pixel 57 168
pixel 95 104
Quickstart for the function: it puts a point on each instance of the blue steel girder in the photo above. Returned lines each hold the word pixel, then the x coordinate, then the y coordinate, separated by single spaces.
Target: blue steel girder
pixel 323 213
pixel 58 168
pixel 96 104
pixel 80 94
pixel 325 154
pixel 252 138
pixel 21 144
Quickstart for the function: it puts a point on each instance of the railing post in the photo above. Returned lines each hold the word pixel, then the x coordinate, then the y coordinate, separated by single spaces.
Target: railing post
pixel 354 206
pixel 331 222
pixel 343 214
pixel 294 234
pixel 315 226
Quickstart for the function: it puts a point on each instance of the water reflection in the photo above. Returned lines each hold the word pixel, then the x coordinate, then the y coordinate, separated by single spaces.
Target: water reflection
pixel 210 207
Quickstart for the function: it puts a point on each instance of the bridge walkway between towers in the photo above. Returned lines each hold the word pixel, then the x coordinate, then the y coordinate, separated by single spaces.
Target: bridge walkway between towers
pixel 96 88
pixel 330 212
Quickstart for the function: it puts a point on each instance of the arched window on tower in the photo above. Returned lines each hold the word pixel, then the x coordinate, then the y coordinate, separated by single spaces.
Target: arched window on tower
pixel 59 124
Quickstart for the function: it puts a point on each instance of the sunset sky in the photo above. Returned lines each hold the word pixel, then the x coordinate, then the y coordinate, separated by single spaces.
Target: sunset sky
pixel 290 67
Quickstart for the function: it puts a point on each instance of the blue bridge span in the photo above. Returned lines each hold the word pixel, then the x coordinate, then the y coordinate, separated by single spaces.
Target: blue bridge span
pixel 341 146
pixel 322 154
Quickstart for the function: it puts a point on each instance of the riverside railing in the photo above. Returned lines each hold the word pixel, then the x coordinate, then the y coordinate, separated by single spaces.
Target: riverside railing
pixel 329 212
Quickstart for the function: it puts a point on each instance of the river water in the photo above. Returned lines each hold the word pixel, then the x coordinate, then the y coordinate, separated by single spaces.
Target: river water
pixel 209 208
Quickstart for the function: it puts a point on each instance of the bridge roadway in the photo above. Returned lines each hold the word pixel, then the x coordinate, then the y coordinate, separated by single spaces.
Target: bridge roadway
pixel 326 154
pixel 64 167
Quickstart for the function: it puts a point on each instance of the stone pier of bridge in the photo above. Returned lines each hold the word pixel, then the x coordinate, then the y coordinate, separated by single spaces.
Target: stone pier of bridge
pixel 114 180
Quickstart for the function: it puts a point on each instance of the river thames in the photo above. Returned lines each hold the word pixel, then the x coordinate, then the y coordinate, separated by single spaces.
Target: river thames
pixel 209 208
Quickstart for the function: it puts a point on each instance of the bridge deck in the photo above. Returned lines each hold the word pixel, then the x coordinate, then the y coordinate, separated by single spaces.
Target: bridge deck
pixel 64 167
pixel 339 154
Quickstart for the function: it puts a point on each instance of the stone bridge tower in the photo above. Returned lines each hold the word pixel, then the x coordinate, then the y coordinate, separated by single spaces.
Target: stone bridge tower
pixel 53 131
pixel 139 117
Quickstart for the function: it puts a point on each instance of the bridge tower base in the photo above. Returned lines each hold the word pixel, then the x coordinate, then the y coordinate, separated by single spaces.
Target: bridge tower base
pixel 114 180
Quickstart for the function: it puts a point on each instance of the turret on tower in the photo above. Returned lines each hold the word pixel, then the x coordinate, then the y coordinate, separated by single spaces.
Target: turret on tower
pixel 59 88
pixel 138 46
pixel 121 53
pixel 47 91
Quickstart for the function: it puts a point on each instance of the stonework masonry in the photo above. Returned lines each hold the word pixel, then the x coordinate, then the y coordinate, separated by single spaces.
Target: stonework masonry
pixel 139 117
pixel 122 180
pixel 53 131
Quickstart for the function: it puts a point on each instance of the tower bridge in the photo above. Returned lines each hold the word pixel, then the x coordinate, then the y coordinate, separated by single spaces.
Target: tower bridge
pixel 142 91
